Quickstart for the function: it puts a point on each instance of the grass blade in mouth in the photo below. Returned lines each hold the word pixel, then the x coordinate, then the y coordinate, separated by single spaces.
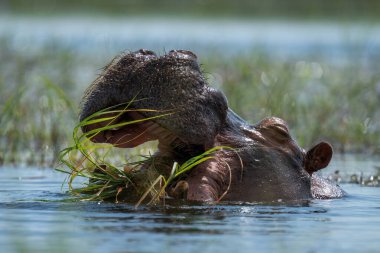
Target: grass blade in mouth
pixel 107 181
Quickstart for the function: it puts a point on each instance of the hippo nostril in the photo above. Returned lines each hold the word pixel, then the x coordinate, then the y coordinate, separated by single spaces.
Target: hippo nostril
pixel 146 52
pixel 183 54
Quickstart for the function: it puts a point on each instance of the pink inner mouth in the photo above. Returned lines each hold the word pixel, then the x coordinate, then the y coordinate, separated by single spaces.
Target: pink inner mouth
pixel 132 135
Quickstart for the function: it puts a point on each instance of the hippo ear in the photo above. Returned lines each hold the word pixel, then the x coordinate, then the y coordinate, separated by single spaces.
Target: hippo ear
pixel 318 157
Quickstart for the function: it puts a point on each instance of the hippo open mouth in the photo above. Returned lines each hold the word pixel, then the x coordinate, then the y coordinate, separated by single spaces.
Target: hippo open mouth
pixel 266 164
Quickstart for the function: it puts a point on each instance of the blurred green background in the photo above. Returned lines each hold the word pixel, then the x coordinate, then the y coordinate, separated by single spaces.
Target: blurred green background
pixel 339 9
pixel 316 64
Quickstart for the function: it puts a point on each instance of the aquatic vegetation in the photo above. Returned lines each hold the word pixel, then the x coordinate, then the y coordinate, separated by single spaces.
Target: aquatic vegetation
pixel 34 128
pixel 41 90
pixel 131 180
pixel 356 178
pixel 319 100
pixel 38 102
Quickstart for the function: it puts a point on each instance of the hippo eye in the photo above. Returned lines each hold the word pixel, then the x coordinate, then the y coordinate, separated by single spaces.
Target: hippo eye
pixel 280 131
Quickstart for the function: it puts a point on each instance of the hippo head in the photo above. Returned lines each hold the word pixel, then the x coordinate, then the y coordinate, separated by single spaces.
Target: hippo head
pixel 170 83
pixel 265 163
pixel 273 165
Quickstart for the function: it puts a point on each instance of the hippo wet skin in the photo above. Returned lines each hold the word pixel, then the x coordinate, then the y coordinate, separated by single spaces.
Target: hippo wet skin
pixel 264 164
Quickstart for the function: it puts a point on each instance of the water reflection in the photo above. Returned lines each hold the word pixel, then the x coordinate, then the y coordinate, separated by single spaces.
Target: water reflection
pixel 207 220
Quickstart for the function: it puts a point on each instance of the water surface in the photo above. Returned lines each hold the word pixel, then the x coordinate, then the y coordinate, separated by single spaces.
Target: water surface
pixel 36 215
pixel 108 36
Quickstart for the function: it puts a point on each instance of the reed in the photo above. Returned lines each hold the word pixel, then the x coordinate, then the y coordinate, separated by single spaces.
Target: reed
pixel 319 100
pixel 41 90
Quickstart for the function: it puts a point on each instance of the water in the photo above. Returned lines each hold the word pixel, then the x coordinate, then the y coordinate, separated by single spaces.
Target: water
pixel 108 36
pixel 36 215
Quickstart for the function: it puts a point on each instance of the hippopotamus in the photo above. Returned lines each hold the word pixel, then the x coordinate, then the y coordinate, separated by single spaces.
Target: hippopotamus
pixel 263 163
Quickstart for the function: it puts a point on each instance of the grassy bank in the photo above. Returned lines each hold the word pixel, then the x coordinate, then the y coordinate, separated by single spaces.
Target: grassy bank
pixel 41 90
pixel 295 9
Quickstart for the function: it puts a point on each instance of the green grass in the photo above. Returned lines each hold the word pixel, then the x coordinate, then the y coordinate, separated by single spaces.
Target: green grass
pixel 37 105
pixel 41 90
pixel 318 100
pixel 107 181
pixel 323 9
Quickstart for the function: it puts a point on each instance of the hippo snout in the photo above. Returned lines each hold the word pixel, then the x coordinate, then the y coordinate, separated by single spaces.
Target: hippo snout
pixel 168 83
